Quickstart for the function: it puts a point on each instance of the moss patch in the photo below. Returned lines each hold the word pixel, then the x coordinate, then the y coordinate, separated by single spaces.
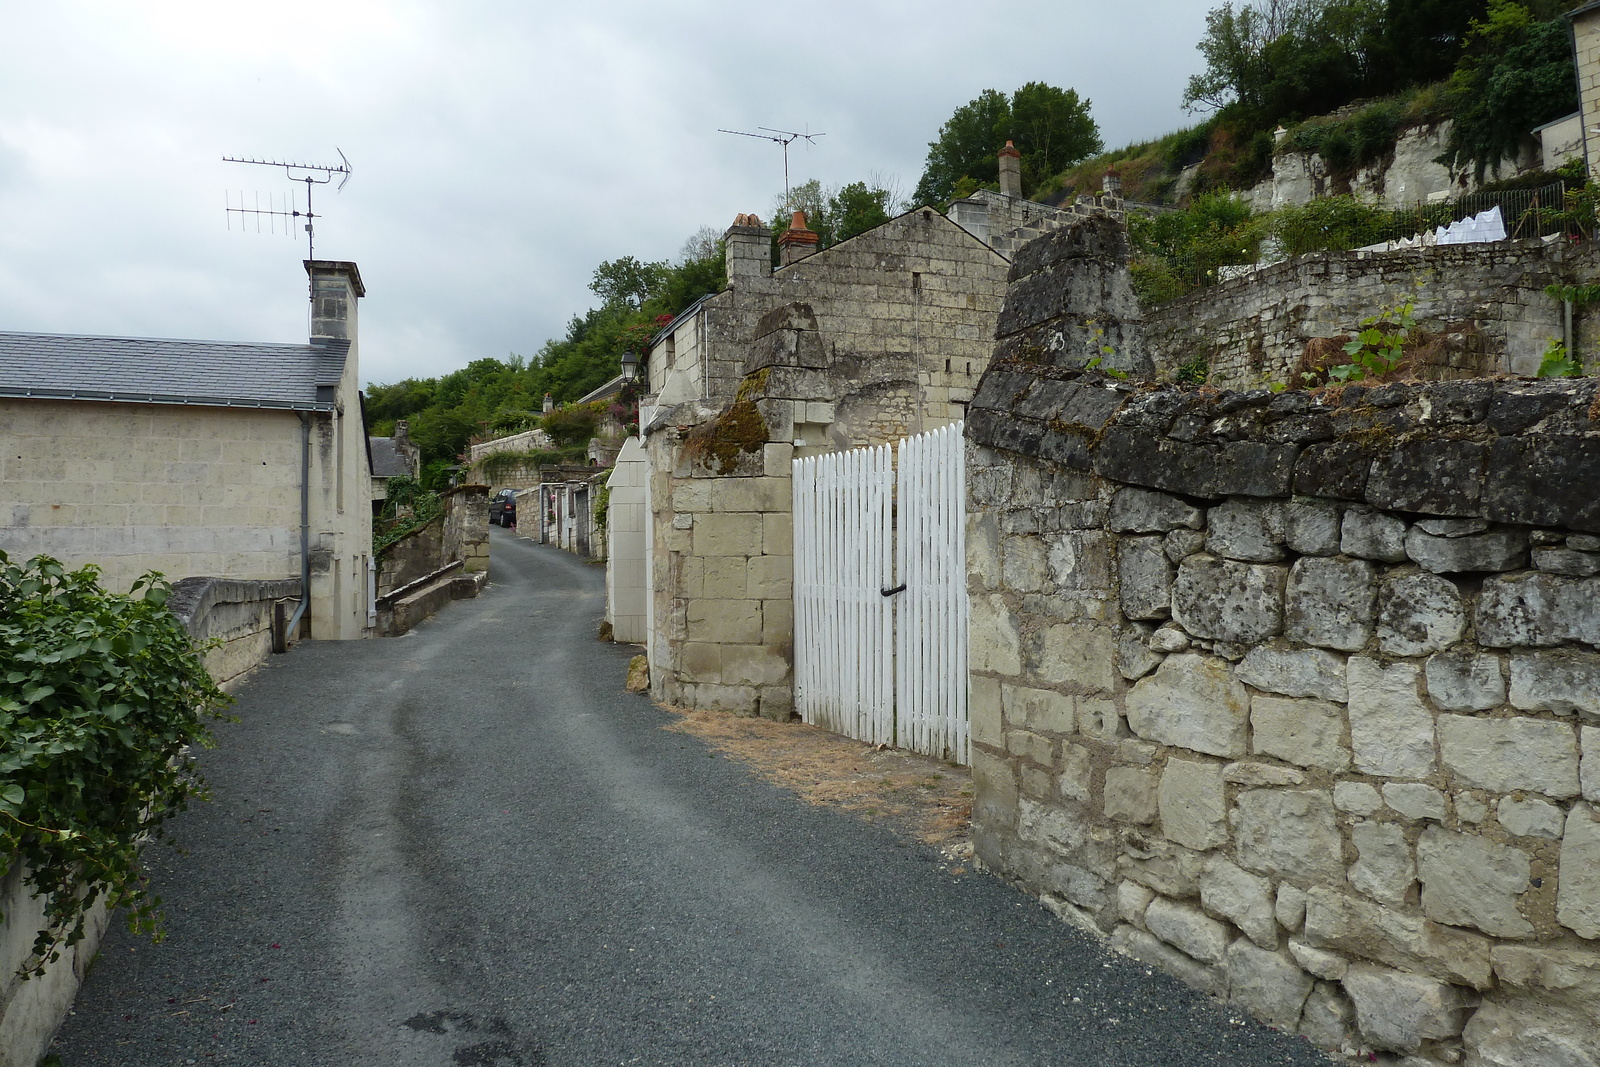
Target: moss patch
pixel 739 430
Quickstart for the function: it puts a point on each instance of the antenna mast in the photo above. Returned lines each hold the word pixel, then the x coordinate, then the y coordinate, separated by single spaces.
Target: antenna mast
pixel 783 137
pixel 310 170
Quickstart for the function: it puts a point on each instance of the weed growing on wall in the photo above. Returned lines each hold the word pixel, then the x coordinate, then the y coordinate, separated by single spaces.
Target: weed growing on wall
pixel 101 694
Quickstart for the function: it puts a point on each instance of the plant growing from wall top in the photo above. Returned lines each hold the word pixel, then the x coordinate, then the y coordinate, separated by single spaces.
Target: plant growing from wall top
pixel 101 695
pixel 1380 346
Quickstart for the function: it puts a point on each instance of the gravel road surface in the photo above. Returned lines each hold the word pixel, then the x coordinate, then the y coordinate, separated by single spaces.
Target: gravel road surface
pixel 468 846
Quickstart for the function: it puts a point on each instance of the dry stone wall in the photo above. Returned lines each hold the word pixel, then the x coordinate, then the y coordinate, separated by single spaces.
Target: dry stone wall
pixel 1253 330
pixel 1298 696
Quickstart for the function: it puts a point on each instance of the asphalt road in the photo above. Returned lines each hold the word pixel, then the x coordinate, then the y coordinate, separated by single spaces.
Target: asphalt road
pixel 470 846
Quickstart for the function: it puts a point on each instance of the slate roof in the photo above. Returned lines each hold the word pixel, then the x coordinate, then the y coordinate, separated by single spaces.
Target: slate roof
pixel 387 462
pixel 140 370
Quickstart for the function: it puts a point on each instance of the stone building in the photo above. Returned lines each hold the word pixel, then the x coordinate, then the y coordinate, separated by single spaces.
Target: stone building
pixel 880 336
pixel 1585 21
pixel 197 458
pixel 1295 696
pixel 392 457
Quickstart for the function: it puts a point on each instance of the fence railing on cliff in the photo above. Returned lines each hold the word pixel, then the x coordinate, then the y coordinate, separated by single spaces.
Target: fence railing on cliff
pixel 1535 212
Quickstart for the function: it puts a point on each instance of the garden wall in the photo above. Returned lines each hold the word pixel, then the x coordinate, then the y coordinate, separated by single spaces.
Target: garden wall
pixel 236 613
pixel 1253 330
pixel 1296 696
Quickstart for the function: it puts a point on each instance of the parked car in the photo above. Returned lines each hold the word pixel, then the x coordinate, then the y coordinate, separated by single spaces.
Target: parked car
pixel 503 508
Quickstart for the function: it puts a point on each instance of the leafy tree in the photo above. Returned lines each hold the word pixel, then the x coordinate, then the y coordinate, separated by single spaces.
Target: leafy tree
pixel 856 209
pixel 833 214
pixel 966 147
pixel 626 282
pixel 1051 127
pixel 1517 74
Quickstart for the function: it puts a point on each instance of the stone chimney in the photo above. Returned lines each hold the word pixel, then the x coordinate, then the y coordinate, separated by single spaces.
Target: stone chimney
pixel 549 403
pixel 1111 184
pixel 749 249
pixel 335 288
pixel 1011 171
pixel 797 242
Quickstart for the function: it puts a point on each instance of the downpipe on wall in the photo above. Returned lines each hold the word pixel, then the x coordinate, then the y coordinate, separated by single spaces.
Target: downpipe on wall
pixel 305 530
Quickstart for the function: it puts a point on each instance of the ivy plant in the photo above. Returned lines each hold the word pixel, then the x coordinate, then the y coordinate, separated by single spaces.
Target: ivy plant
pixel 101 695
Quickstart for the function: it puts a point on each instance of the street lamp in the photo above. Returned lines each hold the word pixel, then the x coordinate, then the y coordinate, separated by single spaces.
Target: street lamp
pixel 632 371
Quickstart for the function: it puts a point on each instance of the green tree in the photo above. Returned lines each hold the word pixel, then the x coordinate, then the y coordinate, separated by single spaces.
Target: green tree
pixel 965 147
pixel 856 208
pixel 1052 129
pixel 1517 74
pixel 626 282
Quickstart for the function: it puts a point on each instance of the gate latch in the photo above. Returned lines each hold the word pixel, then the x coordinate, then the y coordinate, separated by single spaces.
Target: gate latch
pixel 901 588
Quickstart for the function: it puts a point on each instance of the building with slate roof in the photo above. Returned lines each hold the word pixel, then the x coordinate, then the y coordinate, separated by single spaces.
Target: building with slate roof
pixel 392 457
pixel 197 458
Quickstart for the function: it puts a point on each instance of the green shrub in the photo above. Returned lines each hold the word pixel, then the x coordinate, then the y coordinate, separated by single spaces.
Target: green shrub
pixel 100 696
pixel 1333 223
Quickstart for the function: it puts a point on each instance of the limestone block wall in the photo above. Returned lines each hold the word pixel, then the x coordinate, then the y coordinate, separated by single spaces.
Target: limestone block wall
pixel 1253 330
pixel 723 581
pixel 917 288
pixel 236 613
pixel 1586 50
pixel 137 487
pixel 460 532
pixel 32 1010
pixel 1296 696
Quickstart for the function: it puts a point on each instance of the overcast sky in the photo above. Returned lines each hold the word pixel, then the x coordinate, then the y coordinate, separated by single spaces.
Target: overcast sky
pixel 501 150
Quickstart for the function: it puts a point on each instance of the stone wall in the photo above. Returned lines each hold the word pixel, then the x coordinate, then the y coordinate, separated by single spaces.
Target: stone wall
pixel 1487 299
pixel 32 1010
pixel 878 337
pixel 460 532
pixel 1298 696
pixel 239 614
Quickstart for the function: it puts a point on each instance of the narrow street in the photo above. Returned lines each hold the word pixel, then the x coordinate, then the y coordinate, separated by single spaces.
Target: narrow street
pixel 470 846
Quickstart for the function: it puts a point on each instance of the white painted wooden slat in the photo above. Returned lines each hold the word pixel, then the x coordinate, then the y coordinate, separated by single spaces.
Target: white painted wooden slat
pixel 888 670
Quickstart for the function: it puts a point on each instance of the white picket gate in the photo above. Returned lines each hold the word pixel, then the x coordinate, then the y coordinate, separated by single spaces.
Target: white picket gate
pixel 881 593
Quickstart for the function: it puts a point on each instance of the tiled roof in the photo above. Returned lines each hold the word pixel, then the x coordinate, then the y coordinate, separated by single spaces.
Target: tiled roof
pixel 143 370
pixel 387 462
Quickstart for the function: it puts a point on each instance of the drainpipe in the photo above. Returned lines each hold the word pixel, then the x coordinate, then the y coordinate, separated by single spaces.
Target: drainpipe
pixel 1566 327
pixel 305 527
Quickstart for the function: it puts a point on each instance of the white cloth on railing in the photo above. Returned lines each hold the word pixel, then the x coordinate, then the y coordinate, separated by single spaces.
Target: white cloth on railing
pixel 1481 228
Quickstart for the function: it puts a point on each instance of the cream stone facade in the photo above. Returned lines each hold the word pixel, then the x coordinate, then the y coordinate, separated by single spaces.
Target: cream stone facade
pixel 1586 52
pixel 881 336
pixel 187 457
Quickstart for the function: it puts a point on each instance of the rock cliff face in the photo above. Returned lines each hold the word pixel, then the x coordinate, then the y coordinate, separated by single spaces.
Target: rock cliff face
pixel 1410 176
pixel 1296 696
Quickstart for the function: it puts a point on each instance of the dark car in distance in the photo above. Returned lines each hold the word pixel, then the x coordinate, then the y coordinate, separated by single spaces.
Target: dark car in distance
pixel 503 508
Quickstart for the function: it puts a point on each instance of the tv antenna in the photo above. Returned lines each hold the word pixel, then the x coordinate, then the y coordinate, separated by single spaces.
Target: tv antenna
pixel 298 172
pixel 783 137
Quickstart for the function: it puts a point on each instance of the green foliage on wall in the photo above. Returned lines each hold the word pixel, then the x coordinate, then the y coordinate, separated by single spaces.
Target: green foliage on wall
pixel 102 694
pixel 1517 73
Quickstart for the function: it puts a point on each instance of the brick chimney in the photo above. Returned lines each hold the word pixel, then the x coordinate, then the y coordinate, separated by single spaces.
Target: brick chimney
pixel 797 242
pixel 1011 171
pixel 749 249
pixel 335 287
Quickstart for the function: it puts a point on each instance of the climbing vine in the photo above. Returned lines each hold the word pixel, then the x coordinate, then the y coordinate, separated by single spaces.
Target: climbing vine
pixel 100 696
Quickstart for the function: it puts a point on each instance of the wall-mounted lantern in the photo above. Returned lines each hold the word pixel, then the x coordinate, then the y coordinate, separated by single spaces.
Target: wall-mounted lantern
pixel 632 370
